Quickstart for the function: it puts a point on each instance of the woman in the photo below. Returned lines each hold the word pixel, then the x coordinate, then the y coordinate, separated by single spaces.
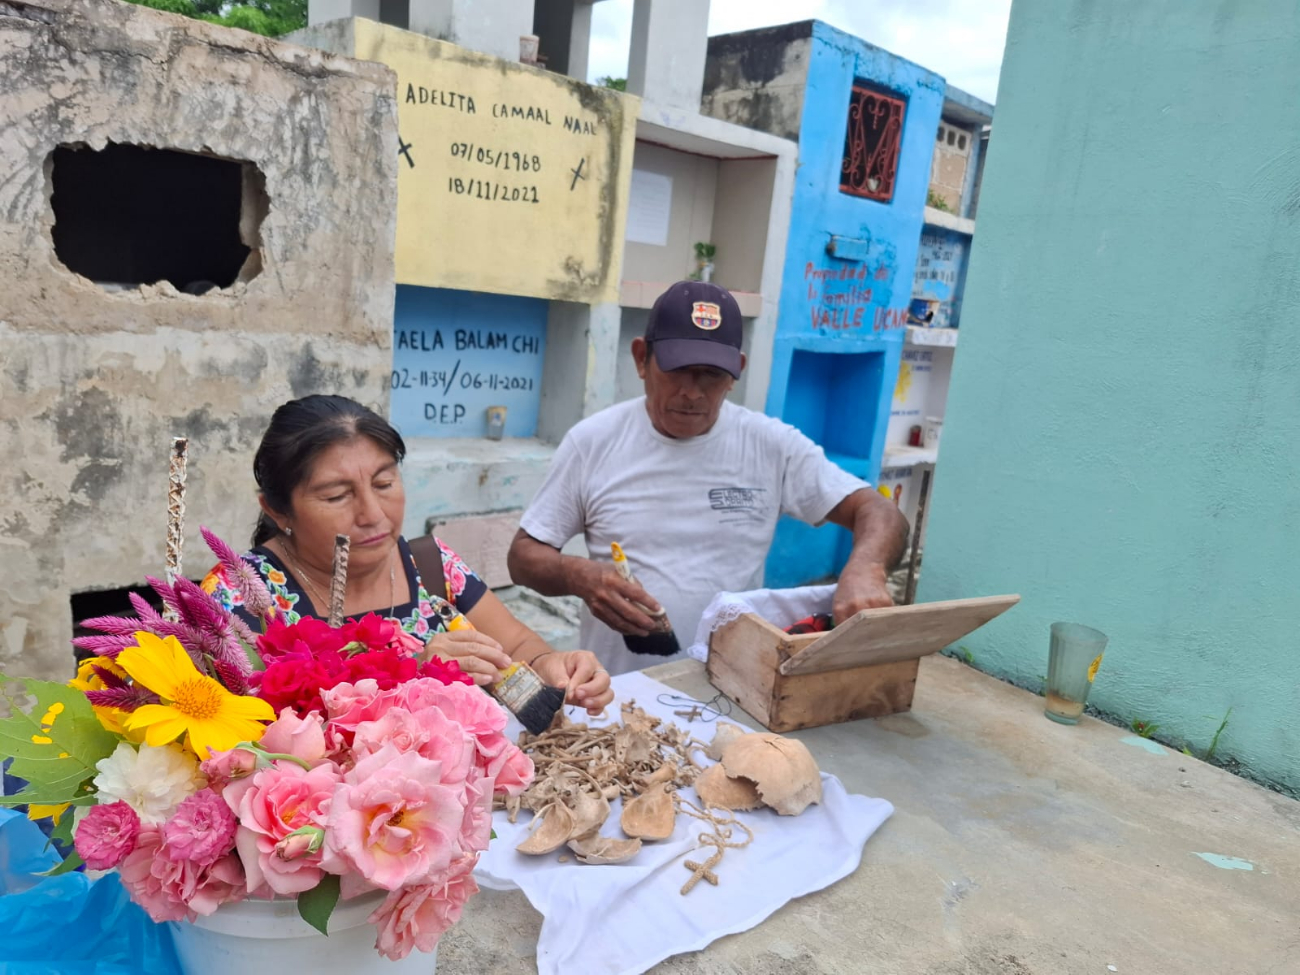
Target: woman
pixel 328 466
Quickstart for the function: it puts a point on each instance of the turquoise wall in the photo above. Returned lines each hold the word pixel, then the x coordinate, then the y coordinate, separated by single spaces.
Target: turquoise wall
pixel 1123 429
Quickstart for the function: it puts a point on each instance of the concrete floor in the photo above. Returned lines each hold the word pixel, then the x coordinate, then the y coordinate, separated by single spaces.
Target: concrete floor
pixel 1019 847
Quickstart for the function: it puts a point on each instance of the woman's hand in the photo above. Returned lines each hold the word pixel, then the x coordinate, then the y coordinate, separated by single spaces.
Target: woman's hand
pixel 478 654
pixel 585 681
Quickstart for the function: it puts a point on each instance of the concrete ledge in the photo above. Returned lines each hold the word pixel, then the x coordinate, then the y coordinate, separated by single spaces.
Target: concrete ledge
pixel 949 221
pixel 462 477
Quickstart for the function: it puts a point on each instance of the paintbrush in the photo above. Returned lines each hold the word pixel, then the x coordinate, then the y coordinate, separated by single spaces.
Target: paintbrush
pixel 520 690
pixel 661 642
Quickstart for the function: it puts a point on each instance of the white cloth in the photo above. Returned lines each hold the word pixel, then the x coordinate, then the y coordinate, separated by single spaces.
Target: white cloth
pixel 694 516
pixel 780 607
pixel 625 918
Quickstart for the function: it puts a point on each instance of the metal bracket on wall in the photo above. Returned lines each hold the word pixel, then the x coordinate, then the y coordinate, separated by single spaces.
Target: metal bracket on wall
pixel 849 248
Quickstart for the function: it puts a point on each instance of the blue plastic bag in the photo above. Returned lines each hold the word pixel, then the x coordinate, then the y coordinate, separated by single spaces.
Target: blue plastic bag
pixel 70 925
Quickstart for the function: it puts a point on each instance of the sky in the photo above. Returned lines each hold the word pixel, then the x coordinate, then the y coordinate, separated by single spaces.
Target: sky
pixel 960 39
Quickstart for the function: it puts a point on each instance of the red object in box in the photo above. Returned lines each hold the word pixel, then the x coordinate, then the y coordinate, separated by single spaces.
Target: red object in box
pixel 914 437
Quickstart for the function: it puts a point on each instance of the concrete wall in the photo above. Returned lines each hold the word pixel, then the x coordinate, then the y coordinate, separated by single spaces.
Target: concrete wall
pixel 694 187
pixel 757 78
pixel 96 382
pixel 1125 413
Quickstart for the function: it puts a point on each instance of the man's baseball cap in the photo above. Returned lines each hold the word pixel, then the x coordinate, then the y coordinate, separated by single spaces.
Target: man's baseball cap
pixel 695 323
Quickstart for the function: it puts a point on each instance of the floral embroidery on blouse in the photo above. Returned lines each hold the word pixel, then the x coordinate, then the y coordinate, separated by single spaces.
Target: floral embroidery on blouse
pixel 421 617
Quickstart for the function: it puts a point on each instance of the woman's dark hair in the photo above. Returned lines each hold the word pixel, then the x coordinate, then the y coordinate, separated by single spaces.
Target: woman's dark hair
pixel 299 431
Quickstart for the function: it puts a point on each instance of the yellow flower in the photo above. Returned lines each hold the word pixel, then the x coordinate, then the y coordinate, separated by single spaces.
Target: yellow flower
pixel 277 577
pixel 194 705
pixel 36 811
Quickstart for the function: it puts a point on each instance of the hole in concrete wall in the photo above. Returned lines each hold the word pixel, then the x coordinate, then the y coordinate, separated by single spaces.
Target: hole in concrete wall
pixel 961 142
pixel 106 602
pixel 128 215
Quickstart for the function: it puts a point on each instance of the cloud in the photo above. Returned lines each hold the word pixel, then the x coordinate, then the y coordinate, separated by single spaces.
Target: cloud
pixel 960 39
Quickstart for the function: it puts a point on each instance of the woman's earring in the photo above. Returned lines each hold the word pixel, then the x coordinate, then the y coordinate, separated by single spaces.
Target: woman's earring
pixel 288 530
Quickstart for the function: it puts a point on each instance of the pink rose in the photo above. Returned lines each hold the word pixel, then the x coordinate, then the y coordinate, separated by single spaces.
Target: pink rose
pixel 416 917
pixel 174 890
pixel 409 642
pixel 300 843
pixel 302 738
pixel 476 827
pixel 278 801
pixel 465 704
pixel 348 705
pixel 511 769
pixel 393 821
pixel 202 830
pixel 107 835
pixel 222 768
pixel 429 733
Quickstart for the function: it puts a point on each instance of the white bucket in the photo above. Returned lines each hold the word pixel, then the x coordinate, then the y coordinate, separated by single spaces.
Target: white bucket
pixel 260 937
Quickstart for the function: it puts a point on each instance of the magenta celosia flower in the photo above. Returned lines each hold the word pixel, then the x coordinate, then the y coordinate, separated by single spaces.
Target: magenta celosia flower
pixel 203 829
pixel 241 575
pixel 392 820
pixel 275 802
pixel 107 835
pixel 416 917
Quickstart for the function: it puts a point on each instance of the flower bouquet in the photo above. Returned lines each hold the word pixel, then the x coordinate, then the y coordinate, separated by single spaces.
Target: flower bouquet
pixel 209 765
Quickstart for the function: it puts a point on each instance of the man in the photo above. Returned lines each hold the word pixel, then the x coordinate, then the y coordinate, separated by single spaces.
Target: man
pixel 691 486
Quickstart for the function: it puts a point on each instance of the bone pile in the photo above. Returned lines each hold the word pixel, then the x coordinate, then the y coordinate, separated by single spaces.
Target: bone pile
pixel 645 762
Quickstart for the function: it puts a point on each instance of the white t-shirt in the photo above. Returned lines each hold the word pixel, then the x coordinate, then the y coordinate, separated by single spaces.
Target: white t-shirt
pixel 695 517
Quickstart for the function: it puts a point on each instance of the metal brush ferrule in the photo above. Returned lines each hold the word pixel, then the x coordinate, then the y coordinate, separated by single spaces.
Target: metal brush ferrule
pixel 518 687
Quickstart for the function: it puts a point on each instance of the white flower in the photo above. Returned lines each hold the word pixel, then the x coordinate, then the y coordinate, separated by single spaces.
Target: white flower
pixel 152 781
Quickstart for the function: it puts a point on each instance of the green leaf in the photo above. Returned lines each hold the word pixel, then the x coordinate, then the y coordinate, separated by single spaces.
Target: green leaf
pixel 57 742
pixel 316 905
pixel 79 795
pixel 254 658
pixel 70 864
pixel 62 830
pixel 493 836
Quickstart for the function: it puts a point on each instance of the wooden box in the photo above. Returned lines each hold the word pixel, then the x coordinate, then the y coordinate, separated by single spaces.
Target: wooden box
pixel 864 668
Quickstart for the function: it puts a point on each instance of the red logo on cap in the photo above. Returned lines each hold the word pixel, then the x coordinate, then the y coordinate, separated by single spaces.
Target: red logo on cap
pixel 706 315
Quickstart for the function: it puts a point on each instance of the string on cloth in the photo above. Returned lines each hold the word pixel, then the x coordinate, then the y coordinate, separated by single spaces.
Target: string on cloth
pixel 720 839
pixel 708 711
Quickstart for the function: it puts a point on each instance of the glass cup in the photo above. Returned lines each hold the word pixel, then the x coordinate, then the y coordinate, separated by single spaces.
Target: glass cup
pixel 1072 664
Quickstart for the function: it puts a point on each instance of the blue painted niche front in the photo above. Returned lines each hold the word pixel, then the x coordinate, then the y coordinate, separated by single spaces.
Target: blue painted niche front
pixel 455 353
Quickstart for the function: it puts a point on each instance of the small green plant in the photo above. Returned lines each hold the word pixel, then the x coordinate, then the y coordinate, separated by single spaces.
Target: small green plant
pixel 1214 742
pixel 933 199
pixel 618 84
pixel 966 655
pixel 1143 729
pixel 704 252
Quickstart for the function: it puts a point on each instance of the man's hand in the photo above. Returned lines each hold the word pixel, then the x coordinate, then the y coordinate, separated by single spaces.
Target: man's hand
pixel 860 587
pixel 615 601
